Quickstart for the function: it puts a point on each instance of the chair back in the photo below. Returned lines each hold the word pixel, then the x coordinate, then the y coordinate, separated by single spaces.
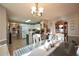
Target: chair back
pixel 36 38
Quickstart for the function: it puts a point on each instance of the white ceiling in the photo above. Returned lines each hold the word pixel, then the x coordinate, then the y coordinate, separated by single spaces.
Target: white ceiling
pixel 22 11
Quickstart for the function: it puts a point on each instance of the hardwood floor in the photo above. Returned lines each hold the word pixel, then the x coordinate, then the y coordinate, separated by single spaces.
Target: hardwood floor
pixel 16 44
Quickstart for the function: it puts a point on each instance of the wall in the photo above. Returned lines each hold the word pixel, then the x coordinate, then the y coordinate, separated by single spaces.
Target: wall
pixel 73 24
pixel 3 23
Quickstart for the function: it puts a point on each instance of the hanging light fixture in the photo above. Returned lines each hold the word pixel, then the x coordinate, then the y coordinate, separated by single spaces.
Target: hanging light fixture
pixel 36 11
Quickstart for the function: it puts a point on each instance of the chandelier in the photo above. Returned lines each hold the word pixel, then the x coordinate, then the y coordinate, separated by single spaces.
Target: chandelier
pixel 37 11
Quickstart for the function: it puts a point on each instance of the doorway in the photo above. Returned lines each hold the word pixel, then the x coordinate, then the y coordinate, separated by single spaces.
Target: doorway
pixel 18 33
pixel 61 26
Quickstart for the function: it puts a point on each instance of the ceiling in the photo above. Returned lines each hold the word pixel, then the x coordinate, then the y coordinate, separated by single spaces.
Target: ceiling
pixel 22 11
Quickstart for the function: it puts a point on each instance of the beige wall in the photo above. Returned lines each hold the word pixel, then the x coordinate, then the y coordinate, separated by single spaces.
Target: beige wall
pixel 73 24
pixel 2 24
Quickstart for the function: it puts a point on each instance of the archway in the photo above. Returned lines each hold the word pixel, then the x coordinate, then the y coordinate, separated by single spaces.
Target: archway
pixel 61 26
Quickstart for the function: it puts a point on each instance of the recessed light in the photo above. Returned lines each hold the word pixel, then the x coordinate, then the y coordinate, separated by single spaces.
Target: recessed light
pixel 28 21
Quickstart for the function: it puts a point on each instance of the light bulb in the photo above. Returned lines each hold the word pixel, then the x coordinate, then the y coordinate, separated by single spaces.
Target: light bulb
pixel 41 10
pixel 33 8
